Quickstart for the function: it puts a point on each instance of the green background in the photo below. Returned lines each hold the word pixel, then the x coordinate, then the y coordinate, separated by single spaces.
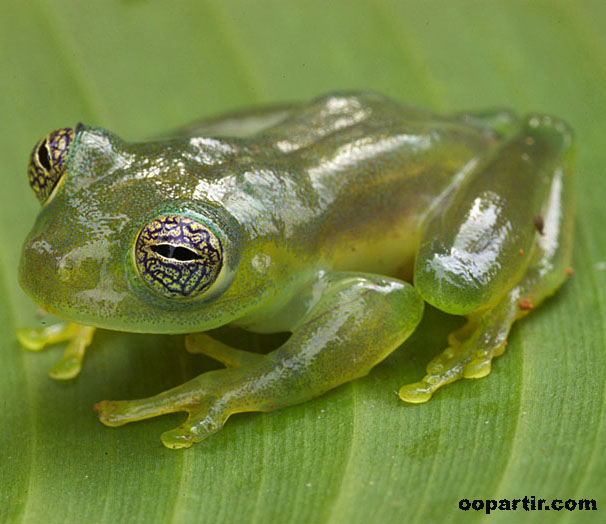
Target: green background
pixel 535 426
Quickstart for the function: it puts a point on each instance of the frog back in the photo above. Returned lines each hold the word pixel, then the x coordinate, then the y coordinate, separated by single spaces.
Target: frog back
pixel 359 173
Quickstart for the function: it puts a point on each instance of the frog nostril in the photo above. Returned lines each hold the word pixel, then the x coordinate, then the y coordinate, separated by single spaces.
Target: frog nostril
pixel 65 270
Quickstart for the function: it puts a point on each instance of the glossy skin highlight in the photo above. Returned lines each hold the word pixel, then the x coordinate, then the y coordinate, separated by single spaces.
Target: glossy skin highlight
pixel 310 219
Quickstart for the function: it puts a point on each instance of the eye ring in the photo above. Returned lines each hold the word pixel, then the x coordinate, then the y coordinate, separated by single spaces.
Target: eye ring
pixel 47 161
pixel 177 256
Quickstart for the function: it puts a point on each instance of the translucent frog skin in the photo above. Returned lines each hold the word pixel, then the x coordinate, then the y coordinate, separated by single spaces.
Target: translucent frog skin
pixel 309 219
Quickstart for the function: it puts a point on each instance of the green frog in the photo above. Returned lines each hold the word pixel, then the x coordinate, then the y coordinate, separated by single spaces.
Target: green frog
pixel 334 220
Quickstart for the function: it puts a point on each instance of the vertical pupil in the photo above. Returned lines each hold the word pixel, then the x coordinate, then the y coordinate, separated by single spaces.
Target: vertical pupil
pixel 43 156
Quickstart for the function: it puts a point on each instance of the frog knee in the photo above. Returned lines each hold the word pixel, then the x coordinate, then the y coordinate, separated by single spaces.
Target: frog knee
pixel 451 285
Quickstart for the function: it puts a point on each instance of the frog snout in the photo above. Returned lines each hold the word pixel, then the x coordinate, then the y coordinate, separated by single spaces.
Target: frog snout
pixel 42 267
pixel 37 268
pixel 43 273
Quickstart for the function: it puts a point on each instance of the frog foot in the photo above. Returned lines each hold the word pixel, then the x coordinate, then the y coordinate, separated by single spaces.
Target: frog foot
pixel 78 336
pixel 469 355
pixel 206 415
pixel 208 399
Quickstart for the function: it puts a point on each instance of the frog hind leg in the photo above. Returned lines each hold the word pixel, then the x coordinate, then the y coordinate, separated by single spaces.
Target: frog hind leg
pixel 543 260
pixel 355 322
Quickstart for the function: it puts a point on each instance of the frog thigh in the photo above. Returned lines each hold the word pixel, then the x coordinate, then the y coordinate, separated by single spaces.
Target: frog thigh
pixel 484 336
pixel 479 245
pixel 355 323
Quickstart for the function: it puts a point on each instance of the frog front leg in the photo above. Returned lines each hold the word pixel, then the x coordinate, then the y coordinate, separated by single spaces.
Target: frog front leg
pixel 78 336
pixel 355 323
pixel 501 246
pixel 228 356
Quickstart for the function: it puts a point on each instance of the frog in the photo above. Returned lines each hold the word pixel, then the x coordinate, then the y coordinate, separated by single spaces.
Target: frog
pixel 333 220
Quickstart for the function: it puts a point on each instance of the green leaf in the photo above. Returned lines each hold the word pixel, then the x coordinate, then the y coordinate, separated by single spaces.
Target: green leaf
pixel 534 427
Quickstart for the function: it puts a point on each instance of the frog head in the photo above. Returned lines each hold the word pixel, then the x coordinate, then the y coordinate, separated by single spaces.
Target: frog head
pixel 122 242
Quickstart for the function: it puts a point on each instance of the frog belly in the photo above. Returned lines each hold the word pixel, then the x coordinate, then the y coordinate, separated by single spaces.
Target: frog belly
pixel 389 252
pixel 378 229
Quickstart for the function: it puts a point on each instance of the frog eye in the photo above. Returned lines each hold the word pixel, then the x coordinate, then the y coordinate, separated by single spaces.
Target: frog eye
pixel 178 256
pixel 47 161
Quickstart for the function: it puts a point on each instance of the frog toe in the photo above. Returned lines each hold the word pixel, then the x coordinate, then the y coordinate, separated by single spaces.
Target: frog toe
pixel 36 339
pixel 478 367
pixel 68 367
pixel 32 339
pixel 416 393
pixel 438 375
pixel 78 336
pixel 113 413
pixel 178 438
pixel 119 412
pixel 201 423
pixel 469 355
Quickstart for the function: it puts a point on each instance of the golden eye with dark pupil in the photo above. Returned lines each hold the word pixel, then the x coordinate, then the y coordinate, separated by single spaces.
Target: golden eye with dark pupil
pixel 182 254
pixel 47 161
pixel 177 256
